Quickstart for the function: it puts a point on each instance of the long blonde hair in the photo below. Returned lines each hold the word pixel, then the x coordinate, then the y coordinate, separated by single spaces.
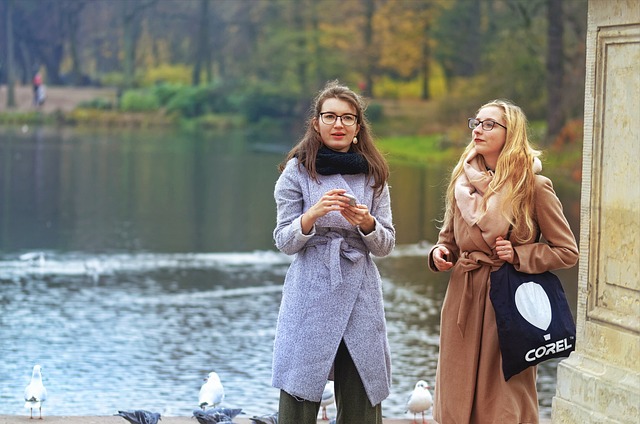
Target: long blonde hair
pixel 514 175
pixel 307 148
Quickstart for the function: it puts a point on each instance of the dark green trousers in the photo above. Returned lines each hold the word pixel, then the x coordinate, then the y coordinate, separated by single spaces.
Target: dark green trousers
pixel 352 402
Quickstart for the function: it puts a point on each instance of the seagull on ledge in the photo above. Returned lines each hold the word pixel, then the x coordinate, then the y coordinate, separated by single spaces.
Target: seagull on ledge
pixel 35 393
pixel 211 392
pixel 420 400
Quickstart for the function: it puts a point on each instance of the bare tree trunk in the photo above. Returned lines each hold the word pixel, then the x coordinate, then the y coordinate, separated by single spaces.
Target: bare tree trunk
pixel 11 96
pixel 369 48
pixel 555 72
pixel 73 11
pixel 202 42
pixel 426 57
pixel 131 19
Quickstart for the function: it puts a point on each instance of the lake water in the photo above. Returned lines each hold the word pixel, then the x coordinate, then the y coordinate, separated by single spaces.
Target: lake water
pixel 133 263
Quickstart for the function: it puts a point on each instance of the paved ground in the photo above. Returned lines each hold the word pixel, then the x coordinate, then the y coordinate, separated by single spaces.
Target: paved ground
pixel 4 419
pixel 64 99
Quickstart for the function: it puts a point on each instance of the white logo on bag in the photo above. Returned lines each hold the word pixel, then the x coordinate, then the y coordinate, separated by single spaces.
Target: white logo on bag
pixel 549 349
pixel 533 304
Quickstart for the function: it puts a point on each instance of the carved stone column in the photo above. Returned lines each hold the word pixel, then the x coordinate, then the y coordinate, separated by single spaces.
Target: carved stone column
pixel 600 381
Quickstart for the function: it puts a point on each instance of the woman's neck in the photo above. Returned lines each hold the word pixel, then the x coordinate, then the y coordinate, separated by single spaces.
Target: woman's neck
pixel 490 163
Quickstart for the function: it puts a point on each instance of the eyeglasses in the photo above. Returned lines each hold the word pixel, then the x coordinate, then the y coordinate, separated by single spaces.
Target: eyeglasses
pixel 487 124
pixel 330 118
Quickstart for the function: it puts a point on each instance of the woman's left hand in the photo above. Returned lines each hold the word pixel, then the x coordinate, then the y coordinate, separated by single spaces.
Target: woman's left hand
pixel 504 249
pixel 359 216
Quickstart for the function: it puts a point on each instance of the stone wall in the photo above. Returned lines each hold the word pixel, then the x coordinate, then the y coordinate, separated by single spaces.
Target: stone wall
pixel 600 381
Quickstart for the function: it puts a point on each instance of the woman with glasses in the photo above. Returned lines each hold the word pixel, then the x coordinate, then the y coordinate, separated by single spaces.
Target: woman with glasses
pixel 497 206
pixel 331 324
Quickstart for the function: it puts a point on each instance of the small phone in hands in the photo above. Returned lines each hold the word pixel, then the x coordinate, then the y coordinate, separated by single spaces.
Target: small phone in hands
pixel 352 200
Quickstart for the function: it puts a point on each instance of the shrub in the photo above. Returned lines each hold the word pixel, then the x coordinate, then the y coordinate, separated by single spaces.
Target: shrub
pixel 139 101
pixel 374 112
pixel 268 101
pixel 166 92
pixel 166 74
pixel 191 102
pixel 99 103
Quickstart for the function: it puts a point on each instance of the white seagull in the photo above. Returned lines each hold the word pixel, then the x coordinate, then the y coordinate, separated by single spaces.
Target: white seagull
pixel 327 399
pixel 35 393
pixel 420 400
pixel 211 392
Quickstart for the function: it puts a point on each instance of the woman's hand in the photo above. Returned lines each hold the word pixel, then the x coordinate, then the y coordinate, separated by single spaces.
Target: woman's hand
pixel 504 249
pixel 332 200
pixel 440 256
pixel 359 216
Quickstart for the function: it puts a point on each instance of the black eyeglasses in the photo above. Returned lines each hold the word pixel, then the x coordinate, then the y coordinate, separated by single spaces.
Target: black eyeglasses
pixel 330 118
pixel 487 124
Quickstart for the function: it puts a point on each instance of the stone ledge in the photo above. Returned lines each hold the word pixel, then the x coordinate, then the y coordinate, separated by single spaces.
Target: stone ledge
pixel 19 419
pixel 590 391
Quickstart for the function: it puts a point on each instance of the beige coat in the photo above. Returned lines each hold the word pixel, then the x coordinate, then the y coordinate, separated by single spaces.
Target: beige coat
pixel 470 386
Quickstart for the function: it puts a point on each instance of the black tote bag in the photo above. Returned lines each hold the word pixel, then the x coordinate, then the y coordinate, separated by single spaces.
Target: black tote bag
pixel 533 318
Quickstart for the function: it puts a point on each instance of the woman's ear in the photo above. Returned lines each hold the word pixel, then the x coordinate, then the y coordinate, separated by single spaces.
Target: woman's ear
pixel 315 125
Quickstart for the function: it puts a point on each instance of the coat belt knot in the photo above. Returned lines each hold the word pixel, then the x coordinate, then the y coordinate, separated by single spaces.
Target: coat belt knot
pixel 338 246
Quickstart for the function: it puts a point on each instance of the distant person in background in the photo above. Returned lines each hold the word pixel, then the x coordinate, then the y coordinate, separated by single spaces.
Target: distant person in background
pixel 39 91
pixel 497 207
pixel 331 324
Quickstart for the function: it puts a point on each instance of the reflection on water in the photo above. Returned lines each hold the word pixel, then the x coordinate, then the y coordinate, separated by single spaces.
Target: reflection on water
pixel 141 331
pixel 132 265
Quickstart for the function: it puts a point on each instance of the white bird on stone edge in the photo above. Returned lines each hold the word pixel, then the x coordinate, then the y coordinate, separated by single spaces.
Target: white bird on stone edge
pixel 35 393
pixel 420 400
pixel 211 392
pixel 327 399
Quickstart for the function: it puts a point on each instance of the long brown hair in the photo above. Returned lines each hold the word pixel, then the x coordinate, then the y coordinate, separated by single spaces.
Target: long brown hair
pixel 307 148
pixel 514 175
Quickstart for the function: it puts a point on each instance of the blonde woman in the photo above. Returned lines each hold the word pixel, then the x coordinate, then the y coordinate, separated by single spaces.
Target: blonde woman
pixel 497 207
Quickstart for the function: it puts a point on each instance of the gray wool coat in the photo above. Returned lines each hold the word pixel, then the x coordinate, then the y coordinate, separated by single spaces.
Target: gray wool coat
pixel 332 290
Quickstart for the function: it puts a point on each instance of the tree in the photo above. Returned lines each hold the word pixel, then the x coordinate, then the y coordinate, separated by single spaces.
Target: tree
pixel 370 51
pixel 11 97
pixel 71 11
pixel 203 49
pixel 555 71
pixel 132 11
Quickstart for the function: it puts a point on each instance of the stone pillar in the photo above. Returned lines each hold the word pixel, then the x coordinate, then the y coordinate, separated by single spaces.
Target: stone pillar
pixel 600 381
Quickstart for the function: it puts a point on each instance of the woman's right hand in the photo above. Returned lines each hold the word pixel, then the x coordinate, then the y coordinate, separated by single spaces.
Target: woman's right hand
pixel 440 257
pixel 330 201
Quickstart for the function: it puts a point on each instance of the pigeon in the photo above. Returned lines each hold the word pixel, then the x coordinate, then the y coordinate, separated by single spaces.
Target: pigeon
pixel 211 392
pixel 211 417
pixel 230 412
pixel 140 416
pixel 327 399
pixel 35 394
pixel 265 419
pixel 420 400
pixel 216 415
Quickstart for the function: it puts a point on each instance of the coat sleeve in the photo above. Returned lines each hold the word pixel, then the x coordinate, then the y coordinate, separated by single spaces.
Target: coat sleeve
pixel 447 239
pixel 383 238
pixel 288 235
pixel 560 250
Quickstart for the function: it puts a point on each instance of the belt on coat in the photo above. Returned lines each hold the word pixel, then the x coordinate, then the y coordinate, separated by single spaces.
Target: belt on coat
pixel 470 262
pixel 351 248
